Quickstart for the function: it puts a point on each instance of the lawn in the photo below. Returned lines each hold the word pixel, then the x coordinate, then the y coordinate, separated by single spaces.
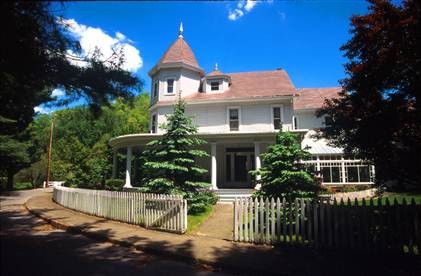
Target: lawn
pixel 197 219
pixel 400 196
pixel 17 186
pixel 391 197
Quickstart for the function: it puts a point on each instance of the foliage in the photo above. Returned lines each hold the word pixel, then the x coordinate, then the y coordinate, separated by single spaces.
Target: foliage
pixel 114 184
pixel 282 174
pixel 35 60
pixel 378 113
pixel 171 168
pixel 81 155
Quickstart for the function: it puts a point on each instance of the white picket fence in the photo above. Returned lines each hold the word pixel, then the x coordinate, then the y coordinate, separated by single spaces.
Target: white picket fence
pixel 370 225
pixel 156 211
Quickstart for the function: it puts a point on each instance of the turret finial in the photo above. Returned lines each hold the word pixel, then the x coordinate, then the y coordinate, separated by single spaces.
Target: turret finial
pixel 180 33
pixel 216 66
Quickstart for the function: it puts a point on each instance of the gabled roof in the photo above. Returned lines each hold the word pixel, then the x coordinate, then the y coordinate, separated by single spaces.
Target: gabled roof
pixel 179 51
pixel 252 85
pixel 313 98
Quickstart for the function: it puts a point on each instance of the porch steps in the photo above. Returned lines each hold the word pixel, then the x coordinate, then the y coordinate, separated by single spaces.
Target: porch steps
pixel 229 195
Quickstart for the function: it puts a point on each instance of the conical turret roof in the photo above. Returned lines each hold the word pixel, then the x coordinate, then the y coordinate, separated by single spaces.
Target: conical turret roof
pixel 179 51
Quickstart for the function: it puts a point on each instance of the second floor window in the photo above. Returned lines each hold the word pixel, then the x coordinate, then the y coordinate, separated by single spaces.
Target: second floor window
pixel 234 119
pixel 277 118
pixel 155 89
pixel 214 85
pixel 153 124
pixel 170 86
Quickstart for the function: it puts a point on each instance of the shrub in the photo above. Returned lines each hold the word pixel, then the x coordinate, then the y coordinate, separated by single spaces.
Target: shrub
pixel 114 184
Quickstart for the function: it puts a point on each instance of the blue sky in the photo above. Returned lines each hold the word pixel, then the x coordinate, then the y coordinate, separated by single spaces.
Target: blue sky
pixel 302 36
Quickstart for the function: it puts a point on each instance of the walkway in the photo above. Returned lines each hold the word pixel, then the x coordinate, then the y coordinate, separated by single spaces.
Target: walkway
pixel 240 258
pixel 220 223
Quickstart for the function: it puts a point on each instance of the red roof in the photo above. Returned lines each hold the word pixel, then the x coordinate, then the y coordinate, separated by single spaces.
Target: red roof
pixel 215 73
pixel 179 51
pixel 261 84
pixel 313 98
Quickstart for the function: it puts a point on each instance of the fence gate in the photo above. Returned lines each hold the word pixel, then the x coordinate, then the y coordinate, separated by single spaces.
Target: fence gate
pixel 170 215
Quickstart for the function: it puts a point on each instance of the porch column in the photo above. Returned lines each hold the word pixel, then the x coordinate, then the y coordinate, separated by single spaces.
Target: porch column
pixel 128 167
pixel 257 163
pixel 114 164
pixel 343 169
pixel 213 166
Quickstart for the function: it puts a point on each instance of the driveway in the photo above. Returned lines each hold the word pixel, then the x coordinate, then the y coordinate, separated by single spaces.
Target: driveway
pixel 29 246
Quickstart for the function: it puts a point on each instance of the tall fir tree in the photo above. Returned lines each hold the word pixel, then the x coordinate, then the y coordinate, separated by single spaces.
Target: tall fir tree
pixel 171 167
pixel 282 174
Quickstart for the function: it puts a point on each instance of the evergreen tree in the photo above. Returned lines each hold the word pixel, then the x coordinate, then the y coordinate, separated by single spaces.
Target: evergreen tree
pixel 171 166
pixel 282 174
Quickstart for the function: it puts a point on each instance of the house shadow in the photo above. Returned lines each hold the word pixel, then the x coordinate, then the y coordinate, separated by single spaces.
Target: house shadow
pixel 30 246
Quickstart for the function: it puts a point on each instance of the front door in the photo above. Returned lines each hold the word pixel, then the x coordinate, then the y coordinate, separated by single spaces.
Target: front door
pixel 238 163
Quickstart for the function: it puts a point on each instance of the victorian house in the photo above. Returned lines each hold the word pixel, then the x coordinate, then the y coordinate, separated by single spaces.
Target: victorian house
pixel 239 115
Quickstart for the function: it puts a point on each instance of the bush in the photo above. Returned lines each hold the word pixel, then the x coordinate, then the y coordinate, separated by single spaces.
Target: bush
pixel 114 184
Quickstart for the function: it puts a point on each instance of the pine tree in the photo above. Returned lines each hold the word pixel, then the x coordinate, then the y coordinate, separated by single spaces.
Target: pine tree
pixel 282 174
pixel 171 166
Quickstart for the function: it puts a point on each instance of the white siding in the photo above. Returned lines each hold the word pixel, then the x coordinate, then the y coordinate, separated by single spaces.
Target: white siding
pixel 185 80
pixel 213 118
pixel 309 120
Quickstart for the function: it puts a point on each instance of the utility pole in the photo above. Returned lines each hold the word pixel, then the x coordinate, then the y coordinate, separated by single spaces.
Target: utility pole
pixel 49 153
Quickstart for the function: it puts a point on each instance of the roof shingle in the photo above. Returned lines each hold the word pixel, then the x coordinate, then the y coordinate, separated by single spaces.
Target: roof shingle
pixel 260 84
pixel 313 98
pixel 179 51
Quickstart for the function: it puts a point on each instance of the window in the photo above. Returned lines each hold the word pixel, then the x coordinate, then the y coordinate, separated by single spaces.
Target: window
pixel 170 86
pixel 155 89
pixel 277 117
pixel 234 119
pixel 214 85
pixel 295 122
pixel 153 124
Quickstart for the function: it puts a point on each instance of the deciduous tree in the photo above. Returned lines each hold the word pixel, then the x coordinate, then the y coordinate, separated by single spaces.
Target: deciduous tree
pixel 378 114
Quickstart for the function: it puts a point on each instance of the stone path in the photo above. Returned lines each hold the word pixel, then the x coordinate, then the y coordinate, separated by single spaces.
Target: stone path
pixel 219 224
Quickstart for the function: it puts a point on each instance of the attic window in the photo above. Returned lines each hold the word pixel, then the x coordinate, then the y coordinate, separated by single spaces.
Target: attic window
pixel 214 85
pixel 170 86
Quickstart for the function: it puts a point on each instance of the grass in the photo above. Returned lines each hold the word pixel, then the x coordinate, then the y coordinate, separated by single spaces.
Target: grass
pixel 400 196
pixel 391 197
pixel 22 186
pixel 197 219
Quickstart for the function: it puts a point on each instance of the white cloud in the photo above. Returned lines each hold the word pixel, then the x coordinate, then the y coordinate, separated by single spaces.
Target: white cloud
pixel 243 7
pixel 250 5
pixel 57 93
pixel 42 110
pixel 90 38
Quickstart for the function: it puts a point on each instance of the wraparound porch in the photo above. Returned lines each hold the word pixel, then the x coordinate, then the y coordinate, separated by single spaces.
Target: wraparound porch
pixel 231 157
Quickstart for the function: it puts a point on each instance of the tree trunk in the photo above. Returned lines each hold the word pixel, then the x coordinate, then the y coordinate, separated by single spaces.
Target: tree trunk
pixel 10 174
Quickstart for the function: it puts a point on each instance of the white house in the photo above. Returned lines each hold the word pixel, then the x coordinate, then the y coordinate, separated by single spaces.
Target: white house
pixel 239 114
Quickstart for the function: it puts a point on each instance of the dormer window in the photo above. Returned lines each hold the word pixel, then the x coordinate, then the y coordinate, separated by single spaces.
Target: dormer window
pixel 170 86
pixel 214 85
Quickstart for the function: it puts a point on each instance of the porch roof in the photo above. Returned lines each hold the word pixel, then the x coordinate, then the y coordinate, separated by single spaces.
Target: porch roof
pixel 319 146
pixel 144 138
